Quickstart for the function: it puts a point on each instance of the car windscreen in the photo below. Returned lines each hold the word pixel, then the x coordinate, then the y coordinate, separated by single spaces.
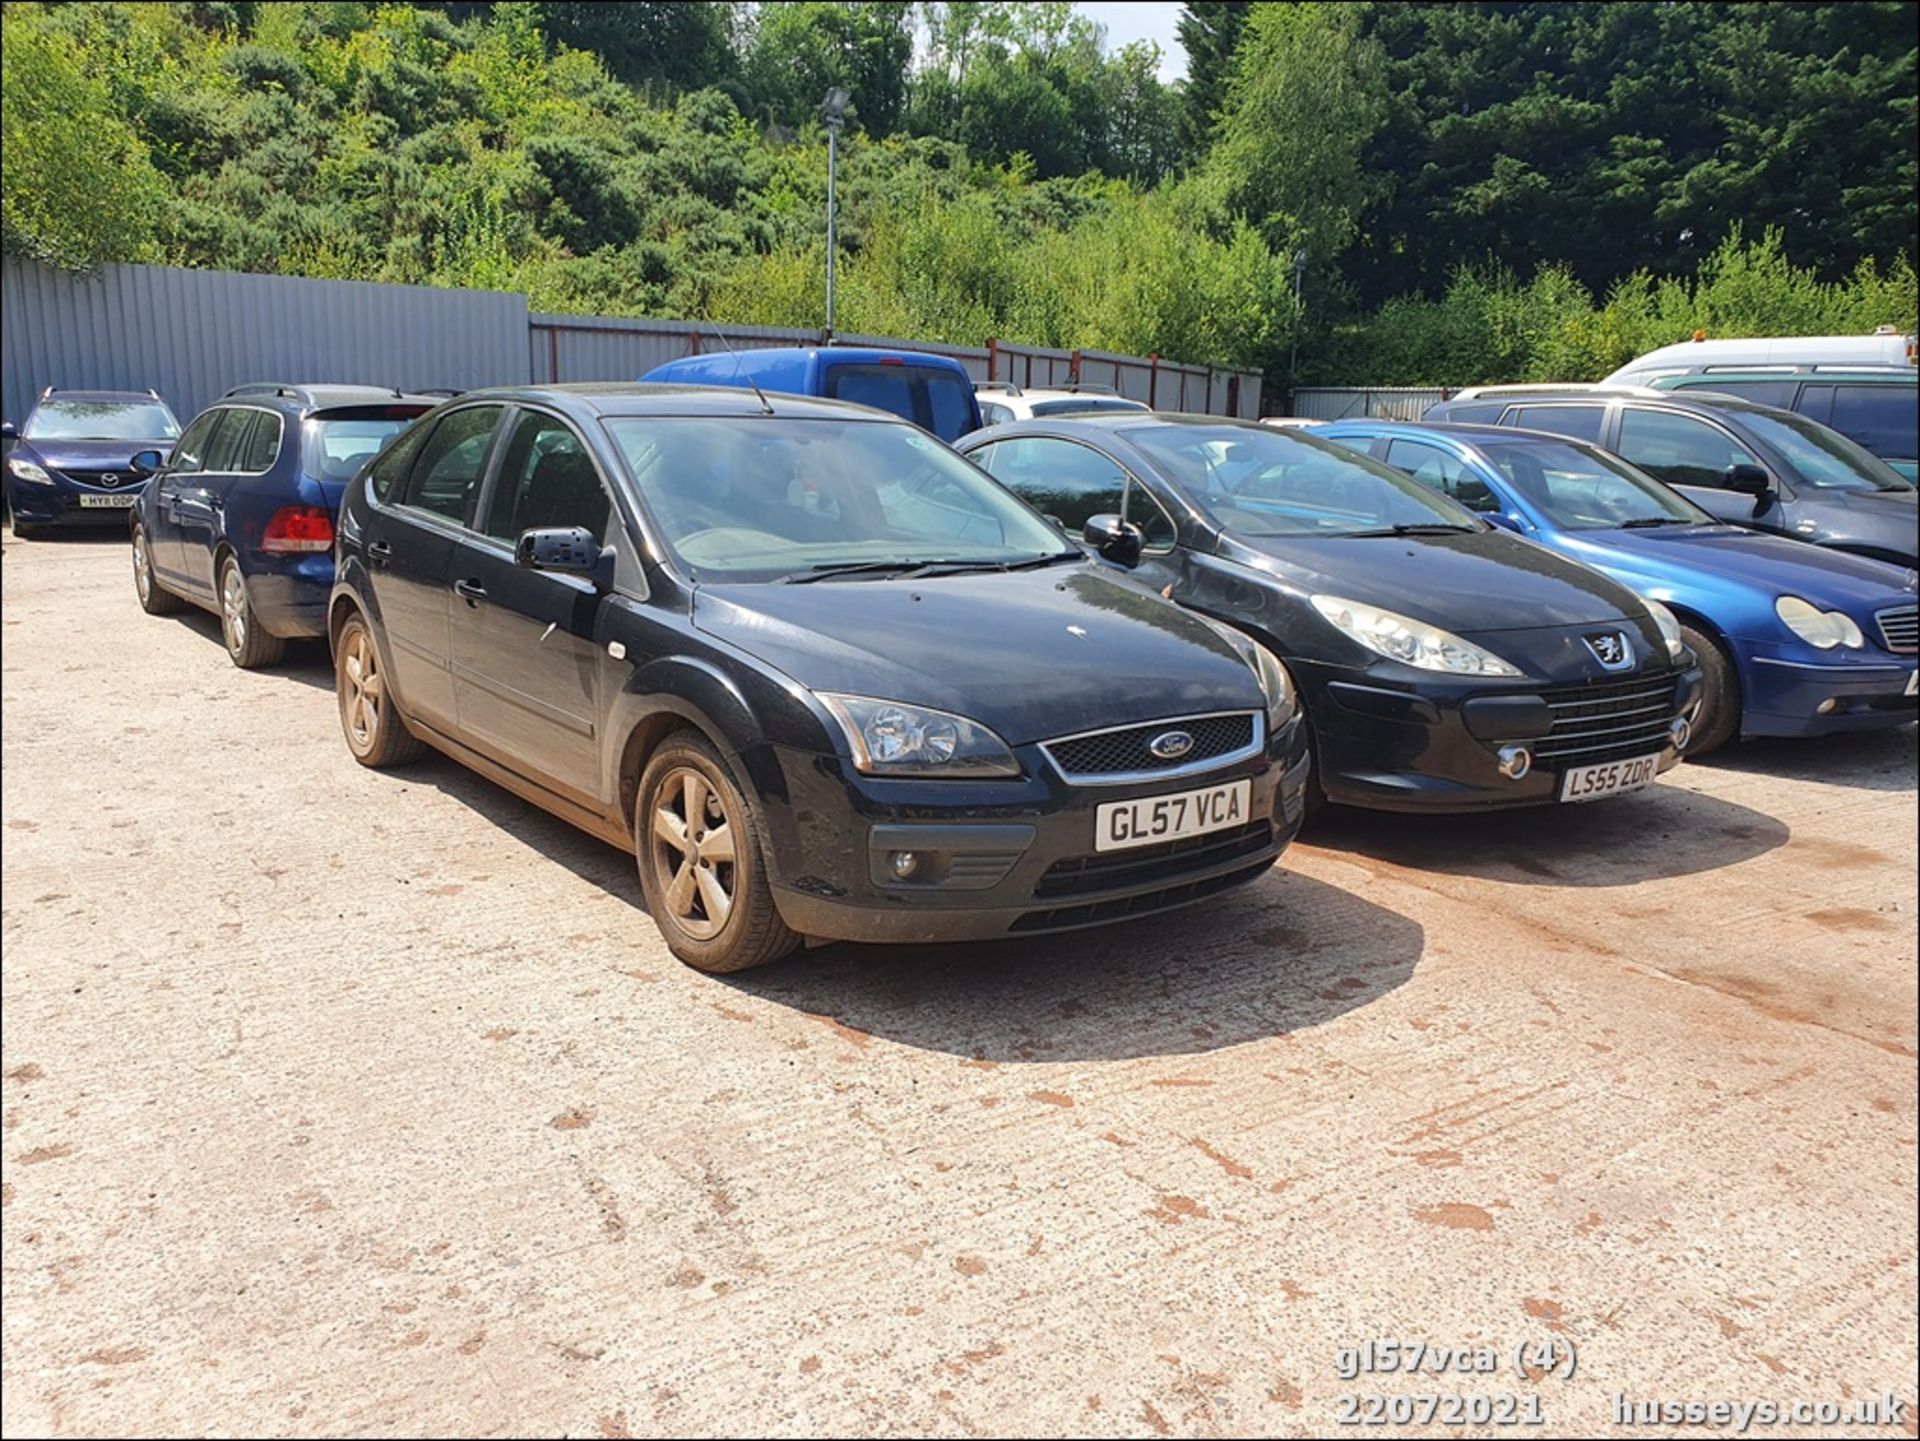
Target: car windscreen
pixel 771 498
pixel 102 420
pixel 336 443
pixel 932 397
pixel 1823 458
pixel 1260 481
pixel 1084 405
pixel 1582 489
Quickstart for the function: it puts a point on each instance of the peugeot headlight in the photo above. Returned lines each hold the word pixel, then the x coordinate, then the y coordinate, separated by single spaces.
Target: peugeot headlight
pixel 1412 642
pixel 1821 629
pixel 891 739
pixel 1669 624
pixel 24 469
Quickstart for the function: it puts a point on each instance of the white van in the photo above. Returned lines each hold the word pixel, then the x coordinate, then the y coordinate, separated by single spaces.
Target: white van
pixel 1885 348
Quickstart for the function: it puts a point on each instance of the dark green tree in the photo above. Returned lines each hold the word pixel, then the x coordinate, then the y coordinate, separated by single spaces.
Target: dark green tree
pixel 1209 32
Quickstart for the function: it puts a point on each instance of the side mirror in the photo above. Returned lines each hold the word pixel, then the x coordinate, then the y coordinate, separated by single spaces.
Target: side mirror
pixel 146 462
pixel 568 549
pixel 8 430
pixel 1748 479
pixel 1501 519
pixel 1114 538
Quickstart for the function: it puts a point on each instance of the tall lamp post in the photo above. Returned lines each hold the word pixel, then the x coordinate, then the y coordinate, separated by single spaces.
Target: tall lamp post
pixel 1293 362
pixel 833 110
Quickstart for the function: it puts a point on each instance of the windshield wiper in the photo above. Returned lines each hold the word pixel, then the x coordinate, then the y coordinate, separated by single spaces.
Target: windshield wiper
pixel 846 567
pixel 1432 527
pixel 1647 522
pixel 954 567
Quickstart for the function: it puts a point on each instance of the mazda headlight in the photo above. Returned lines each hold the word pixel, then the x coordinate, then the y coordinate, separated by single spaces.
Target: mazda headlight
pixel 1411 642
pixel 1821 629
pixel 1669 624
pixel 26 470
pixel 891 739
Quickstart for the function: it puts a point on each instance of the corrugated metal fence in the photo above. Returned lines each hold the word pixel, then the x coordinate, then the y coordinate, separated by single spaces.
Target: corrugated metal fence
pixel 1368 403
pixel 191 334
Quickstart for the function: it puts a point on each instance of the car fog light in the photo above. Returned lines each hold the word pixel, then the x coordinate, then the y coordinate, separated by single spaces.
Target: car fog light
pixel 1515 762
pixel 904 863
pixel 1828 706
pixel 1682 731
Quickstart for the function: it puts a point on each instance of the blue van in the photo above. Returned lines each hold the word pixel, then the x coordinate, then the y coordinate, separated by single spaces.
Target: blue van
pixel 933 391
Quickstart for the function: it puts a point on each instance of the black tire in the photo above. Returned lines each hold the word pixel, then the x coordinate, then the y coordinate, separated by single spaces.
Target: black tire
pixel 155 599
pixel 1718 719
pixel 248 642
pixel 29 532
pixel 683 886
pixel 376 732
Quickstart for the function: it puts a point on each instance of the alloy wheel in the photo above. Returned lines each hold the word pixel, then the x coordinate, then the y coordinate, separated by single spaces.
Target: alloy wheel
pixel 364 693
pixel 142 567
pixel 694 853
pixel 233 608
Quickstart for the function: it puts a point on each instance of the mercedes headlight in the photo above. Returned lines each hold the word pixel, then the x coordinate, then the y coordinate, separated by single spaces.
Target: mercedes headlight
pixel 1411 642
pixel 891 739
pixel 1669 624
pixel 1821 629
pixel 24 469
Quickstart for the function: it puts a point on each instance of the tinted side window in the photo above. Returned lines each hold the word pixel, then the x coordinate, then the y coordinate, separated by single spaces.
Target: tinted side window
pixel 447 474
pixel 1762 392
pixel 1582 422
pixel 262 445
pixel 1476 412
pixel 392 468
pixel 1069 483
pixel 1679 449
pixel 948 398
pixel 229 441
pixel 1883 418
pixel 994 414
pixel 1437 470
pixel 547 479
pixel 1157 530
pixel 189 454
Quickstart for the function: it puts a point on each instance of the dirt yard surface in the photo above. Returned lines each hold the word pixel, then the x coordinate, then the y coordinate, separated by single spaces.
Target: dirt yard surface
pixel 345 1102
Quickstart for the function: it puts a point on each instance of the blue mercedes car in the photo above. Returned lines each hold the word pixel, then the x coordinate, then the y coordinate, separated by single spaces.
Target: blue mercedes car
pixel 1793 639
pixel 72 460
pixel 239 518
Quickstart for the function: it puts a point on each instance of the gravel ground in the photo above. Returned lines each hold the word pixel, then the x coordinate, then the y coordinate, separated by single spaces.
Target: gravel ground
pixel 344 1102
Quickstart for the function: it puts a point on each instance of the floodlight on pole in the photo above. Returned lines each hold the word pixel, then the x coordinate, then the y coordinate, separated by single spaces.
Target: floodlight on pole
pixel 833 113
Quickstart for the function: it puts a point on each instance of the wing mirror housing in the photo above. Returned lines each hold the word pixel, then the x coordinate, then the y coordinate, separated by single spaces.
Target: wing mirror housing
pixel 1115 539
pixel 1749 480
pixel 146 462
pixel 8 430
pixel 565 549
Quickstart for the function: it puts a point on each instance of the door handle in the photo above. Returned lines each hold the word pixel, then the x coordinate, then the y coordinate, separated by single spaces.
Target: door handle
pixel 471 591
pixel 379 552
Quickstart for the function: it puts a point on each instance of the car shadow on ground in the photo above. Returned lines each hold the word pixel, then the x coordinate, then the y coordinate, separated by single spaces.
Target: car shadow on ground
pixel 1283 954
pixel 1663 832
pixel 1868 760
pixel 306 661
pixel 1275 958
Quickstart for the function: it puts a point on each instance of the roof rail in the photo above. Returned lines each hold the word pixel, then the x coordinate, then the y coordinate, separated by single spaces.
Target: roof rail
pixel 45 393
pixel 998 387
pixel 267 387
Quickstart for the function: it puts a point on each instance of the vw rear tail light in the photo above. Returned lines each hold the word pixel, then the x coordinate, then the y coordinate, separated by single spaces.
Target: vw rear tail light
pixel 296 528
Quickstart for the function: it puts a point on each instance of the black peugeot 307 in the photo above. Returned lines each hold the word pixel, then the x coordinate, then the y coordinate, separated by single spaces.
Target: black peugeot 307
pixel 1444 664
pixel 825 678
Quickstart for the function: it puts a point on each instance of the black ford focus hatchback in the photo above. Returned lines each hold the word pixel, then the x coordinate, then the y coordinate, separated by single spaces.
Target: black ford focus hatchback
pixel 1445 665
pixel 826 679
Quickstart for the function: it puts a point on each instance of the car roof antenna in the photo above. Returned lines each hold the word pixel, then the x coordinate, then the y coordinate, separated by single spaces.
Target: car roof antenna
pixel 739 366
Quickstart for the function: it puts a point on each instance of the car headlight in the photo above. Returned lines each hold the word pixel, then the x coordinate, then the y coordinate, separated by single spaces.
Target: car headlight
pixel 1669 624
pixel 1283 701
pixel 1411 642
pixel 891 739
pixel 27 470
pixel 1821 629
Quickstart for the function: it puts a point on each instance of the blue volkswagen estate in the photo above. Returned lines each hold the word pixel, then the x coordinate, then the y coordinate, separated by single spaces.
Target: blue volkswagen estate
pixel 239 519
pixel 1793 640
